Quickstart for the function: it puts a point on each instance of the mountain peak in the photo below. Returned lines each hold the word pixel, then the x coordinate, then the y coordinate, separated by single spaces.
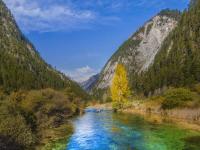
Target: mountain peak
pixel 139 51
pixel 87 85
pixel 176 14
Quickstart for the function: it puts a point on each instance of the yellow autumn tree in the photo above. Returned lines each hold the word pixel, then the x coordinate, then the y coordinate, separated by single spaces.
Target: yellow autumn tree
pixel 120 91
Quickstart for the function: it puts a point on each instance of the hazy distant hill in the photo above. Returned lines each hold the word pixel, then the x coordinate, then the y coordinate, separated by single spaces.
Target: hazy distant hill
pixel 89 84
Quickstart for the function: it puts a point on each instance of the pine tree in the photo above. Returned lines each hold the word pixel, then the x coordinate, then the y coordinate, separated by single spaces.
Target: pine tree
pixel 120 91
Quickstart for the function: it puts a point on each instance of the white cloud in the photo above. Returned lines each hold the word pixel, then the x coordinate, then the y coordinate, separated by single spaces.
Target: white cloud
pixel 35 15
pixel 85 69
pixel 81 74
pixel 56 15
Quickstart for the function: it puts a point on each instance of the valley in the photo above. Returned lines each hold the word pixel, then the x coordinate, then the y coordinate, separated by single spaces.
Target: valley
pixel 146 97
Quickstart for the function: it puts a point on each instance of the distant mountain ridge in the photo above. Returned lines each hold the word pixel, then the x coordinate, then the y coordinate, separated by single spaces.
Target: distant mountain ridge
pixel 88 85
pixel 139 51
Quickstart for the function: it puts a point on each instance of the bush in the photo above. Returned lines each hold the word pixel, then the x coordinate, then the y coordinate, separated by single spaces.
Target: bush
pixel 196 88
pixel 47 102
pixel 30 118
pixel 13 128
pixel 16 128
pixel 177 97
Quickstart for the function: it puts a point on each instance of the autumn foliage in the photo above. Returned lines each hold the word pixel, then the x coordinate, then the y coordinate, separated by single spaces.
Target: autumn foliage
pixel 120 91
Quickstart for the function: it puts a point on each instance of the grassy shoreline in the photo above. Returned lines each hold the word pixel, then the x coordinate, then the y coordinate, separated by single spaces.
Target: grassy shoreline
pixel 60 138
pixel 38 119
pixel 152 112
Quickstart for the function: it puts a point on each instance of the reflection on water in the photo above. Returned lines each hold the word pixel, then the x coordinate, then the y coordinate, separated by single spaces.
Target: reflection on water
pixel 108 131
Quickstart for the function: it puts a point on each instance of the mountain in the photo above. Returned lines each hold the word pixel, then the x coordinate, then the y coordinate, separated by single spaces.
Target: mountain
pixel 139 51
pixel 178 62
pixel 36 101
pixel 21 66
pixel 87 85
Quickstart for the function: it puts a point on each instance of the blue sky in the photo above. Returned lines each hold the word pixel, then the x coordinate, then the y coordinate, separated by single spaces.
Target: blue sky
pixel 79 36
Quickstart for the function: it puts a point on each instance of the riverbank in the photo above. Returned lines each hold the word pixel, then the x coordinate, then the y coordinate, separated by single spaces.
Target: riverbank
pixel 151 110
pixel 37 119
pixel 57 137
pixel 108 130
pixel 106 106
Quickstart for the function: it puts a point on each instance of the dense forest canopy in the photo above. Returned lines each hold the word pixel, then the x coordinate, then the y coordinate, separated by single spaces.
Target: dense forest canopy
pixel 21 66
pixel 178 62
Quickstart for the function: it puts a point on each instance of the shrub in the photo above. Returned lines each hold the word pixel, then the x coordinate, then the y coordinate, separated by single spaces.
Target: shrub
pixel 16 128
pixel 177 97
pixel 197 88
pixel 35 117
pixel 13 128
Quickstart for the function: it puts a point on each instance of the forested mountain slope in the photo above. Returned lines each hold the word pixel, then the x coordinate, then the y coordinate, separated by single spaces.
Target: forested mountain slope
pixel 36 101
pixel 178 62
pixel 21 66
pixel 139 51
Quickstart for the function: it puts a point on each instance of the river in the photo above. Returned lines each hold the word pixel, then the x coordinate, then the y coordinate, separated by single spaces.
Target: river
pixel 114 131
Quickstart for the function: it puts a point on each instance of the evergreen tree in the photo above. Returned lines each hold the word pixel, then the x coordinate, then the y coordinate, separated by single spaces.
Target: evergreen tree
pixel 178 62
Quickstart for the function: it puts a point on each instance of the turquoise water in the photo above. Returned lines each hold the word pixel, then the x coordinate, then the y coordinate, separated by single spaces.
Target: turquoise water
pixel 109 131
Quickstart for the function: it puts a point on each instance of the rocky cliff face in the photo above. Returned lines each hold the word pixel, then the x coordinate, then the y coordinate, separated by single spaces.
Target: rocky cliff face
pixel 139 51
pixel 177 64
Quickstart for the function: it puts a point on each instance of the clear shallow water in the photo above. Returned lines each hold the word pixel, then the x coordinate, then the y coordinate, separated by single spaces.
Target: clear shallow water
pixel 109 131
